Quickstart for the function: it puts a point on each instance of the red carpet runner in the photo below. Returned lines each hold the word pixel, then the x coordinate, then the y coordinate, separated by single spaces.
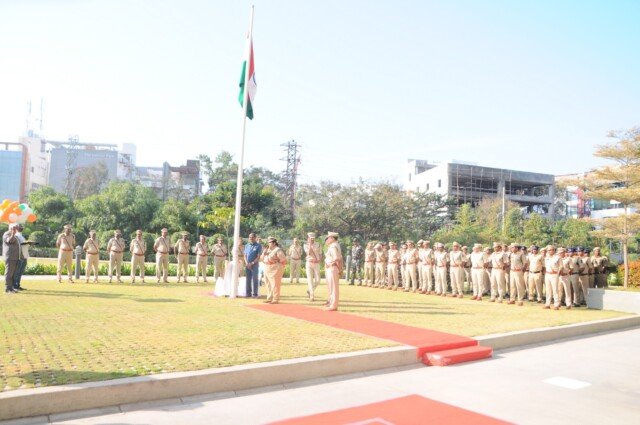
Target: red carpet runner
pixel 435 348
pixel 408 410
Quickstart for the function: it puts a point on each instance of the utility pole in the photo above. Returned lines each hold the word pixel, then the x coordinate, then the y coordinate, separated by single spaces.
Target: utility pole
pixel 291 172
pixel 72 166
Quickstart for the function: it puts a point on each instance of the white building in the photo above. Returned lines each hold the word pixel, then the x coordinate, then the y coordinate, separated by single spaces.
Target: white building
pixel 470 183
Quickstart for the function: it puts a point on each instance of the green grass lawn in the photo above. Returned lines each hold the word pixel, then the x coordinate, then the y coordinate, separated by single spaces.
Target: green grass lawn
pixel 67 333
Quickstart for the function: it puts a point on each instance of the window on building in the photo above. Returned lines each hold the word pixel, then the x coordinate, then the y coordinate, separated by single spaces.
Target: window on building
pixel 439 183
pixel 409 176
pixel 427 186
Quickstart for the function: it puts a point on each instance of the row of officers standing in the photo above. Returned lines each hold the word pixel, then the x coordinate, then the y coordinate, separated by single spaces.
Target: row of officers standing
pixel 162 247
pixel 546 274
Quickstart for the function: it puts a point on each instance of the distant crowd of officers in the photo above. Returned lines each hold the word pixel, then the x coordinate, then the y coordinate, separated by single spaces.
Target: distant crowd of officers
pixel 548 274
pixel 507 272
pixel 162 246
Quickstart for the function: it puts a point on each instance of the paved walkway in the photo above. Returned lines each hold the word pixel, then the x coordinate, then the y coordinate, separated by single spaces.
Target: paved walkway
pixel 584 381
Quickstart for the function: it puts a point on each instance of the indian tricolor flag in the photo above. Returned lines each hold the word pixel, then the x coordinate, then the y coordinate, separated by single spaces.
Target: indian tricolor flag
pixel 250 80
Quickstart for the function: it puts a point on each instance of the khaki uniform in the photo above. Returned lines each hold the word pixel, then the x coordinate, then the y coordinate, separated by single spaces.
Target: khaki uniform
pixel 426 264
pixel 333 264
pixel 369 266
pixel 381 264
pixel 115 248
pixel 137 248
pixel 456 272
pixel 552 266
pixel 487 273
pixel 393 269
pixel 314 256
pixel 181 250
pixel 585 270
pixel 478 260
pixel 161 247
pixel 274 261
pixel 497 260
pixel 565 281
pixel 534 281
pixel 219 253
pixel 592 272
pixel 441 259
pixel 467 270
pixel 65 244
pixel 600 264
pixel 295 261
pixel 517 285
pixel 411 260
pixel 576 266
pixel 202 260
pixel 92 258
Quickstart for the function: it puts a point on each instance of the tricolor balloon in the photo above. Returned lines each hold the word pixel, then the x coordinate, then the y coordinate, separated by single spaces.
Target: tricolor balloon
pixel 15 212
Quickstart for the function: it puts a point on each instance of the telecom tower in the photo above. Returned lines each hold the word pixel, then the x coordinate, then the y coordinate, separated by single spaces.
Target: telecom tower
pixel 291 172
pixel 72 165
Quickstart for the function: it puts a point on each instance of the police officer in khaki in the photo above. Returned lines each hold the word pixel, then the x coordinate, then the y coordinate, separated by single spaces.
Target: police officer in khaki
pixel 181 249
pixel 585 270
pixel 91 248
pixel 380 264
pixel 517 263
pixel 219 252
pixel 410 259
pixel 369 264
pixel 202 257
pixel 65 244
pixel 393 262
pixel 274 259
pixel 295 261
pixel 115 248
pixel 535 264
pixel 497 260
pixel 441 261
pixel 478 261
pixel 313 252
pixel 553 268
pixel 333 266
pixel 161 248
pixel 138 248
pixel 426 264
pixel 457 261
pixel 467 267
pixel 600 264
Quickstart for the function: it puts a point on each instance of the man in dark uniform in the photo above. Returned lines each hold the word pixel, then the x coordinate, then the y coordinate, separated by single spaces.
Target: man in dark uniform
pixel 357 256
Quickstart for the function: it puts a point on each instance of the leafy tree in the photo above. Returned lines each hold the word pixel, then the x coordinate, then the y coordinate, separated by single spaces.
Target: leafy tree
pixel 619 182
pixel 90 180
pixel 53 209
pixel 176 216
pixel 536 230
pixel 122 205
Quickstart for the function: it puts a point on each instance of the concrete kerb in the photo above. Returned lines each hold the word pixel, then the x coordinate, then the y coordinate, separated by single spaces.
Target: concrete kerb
pixel 66 398
pixel 542 335
pixel 235 379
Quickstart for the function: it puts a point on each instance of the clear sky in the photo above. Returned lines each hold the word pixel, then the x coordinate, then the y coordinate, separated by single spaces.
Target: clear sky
pixel 361 85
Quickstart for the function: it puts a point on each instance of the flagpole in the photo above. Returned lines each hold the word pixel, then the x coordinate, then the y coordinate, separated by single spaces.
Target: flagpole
pixel 236 222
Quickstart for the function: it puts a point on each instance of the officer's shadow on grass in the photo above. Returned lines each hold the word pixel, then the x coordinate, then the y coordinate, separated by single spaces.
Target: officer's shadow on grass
pixel 105 295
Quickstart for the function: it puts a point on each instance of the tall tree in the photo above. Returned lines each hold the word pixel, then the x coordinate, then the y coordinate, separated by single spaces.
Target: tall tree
pixel 619 182
pixel 121 205
pixel 90 180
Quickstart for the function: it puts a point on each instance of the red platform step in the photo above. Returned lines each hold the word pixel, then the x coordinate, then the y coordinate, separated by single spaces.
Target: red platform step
pixel 457 355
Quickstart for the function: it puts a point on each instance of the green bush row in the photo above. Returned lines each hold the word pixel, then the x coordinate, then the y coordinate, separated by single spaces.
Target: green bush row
pixel 150 269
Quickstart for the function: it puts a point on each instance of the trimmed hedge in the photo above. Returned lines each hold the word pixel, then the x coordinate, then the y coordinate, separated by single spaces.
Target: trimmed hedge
pixel 634 274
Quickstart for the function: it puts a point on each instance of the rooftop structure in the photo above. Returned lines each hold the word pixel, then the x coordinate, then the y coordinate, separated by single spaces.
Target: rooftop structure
pixel 470 183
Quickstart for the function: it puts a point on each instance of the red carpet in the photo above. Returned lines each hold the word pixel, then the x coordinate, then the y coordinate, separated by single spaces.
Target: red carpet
pixel 408 410
pixel 425 340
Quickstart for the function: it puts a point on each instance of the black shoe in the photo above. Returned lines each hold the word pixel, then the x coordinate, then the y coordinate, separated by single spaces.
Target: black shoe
pixel 10 291
pixel 18 289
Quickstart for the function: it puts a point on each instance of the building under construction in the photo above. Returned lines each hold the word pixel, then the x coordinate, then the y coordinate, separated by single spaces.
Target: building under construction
pixel 470 183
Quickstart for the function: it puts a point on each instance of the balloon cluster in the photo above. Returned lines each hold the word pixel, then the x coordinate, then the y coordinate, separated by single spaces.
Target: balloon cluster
pixel 14 212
